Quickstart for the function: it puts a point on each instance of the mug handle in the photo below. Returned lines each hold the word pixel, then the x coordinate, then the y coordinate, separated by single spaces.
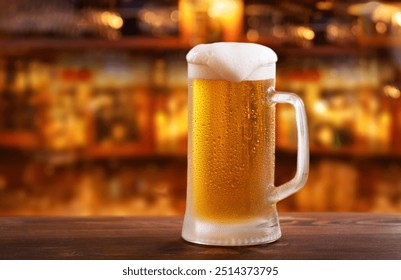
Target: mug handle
pixel 299 180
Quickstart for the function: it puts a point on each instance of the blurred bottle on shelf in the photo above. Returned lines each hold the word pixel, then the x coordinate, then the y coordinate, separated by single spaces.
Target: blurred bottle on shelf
pixel 115 123
pixel 3 85
pixel 18 106
pixel 374 121
pixel 171 122
pixel 65 125
pixel 170 119
pixel 210 21
pixel 397 123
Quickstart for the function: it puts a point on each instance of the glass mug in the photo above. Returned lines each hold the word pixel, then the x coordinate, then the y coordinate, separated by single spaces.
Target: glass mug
pixel 231 197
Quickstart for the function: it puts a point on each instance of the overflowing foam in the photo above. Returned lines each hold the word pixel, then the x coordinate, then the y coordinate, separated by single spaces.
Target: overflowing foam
pixel 234 62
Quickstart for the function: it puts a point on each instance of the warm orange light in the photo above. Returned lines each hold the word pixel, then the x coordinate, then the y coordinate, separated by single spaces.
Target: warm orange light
pixel 197 16
pixel 229 13
pixel 397 18
pixel 252 35
pixel 320 107
pixel 309 34
pixel 381 27
pixel 392 91
pixel 223 8
pixel 112 19
pixel 305 32
pixel 175 16
pixel 116 22
pixel 324 5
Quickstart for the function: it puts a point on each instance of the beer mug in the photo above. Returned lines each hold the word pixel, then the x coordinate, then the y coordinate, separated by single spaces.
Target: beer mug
pixel 231 197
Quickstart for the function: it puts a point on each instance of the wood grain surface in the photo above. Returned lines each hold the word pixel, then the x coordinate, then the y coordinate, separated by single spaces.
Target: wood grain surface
pixel 305 236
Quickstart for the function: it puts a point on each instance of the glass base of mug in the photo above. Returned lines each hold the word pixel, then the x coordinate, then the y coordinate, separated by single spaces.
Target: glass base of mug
pixel 260 231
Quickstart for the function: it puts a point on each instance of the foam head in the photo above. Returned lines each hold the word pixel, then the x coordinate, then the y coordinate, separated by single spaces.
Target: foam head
pixel 234 62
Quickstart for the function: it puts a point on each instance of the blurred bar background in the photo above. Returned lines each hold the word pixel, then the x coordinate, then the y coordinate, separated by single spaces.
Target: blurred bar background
pixel 93 101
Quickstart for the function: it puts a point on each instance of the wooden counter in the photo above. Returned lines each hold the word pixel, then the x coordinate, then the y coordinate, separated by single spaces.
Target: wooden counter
pixel 305 236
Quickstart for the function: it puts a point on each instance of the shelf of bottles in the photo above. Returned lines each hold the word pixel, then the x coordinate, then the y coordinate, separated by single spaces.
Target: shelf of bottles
pixel 98 103
pixel 119 103
pixel 93 116
pixel 99 132
pixel 352 103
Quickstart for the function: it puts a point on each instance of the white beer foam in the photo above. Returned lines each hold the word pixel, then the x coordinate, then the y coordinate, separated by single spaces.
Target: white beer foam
pixel 234 62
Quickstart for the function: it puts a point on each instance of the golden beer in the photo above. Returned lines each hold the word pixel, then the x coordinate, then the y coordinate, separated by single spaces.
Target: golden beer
pixel 231 149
